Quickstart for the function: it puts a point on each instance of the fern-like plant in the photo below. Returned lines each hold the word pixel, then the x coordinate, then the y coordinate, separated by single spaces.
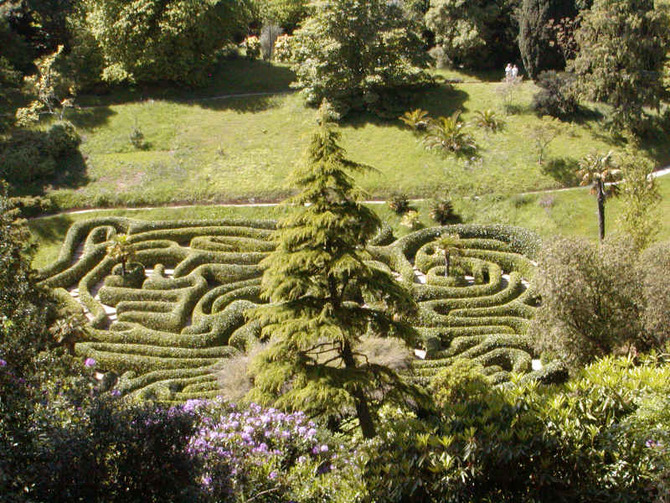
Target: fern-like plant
pixel 442 212
pixel 417 120
pixel 449 135
pixel 487 119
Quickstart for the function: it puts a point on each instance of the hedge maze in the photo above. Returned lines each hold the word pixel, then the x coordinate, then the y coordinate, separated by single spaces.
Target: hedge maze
pixel 167 329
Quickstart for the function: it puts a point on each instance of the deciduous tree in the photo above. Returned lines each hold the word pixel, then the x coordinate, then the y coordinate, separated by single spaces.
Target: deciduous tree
pixel 639 195
pixel 156 40
pixel 360 55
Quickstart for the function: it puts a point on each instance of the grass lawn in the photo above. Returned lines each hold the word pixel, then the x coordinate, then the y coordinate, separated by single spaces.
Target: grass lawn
pixel 200 149
pixel 570 213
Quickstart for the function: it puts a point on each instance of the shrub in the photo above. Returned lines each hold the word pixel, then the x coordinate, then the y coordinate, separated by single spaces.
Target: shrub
pixel 590 299
pixel 25 157
pixel 654 264
pixel 417 120
pixel 557 96
pixel 449 135
pixel 283 52
pixel 442 212
pixel 599 436
pixel 136 138
pixel 486 119
pixel 63 139
pixel 252 47
pixel 399 203
pixel 411 219
pixel 251 452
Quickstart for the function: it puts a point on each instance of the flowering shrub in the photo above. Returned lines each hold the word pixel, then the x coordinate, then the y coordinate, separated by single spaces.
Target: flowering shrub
pixel 252 47
pixel 283 51
pixel 253 452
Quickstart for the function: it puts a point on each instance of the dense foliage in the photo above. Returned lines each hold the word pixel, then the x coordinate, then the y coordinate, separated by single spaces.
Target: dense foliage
pixel 477 34
pixel 325 297
pixel 593 299
pixel 360 55
pixel 622 49
pixel 155 40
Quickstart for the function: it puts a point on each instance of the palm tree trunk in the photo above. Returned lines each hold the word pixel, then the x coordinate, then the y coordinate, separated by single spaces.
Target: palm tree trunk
pixel 601 210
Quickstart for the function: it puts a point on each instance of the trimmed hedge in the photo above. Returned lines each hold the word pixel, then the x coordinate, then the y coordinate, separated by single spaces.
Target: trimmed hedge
pixel 174 330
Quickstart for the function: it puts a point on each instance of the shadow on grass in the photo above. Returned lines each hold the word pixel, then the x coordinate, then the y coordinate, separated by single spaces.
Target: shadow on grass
pixel 51 230
pixel 563 170
pixel 89 118
pixel 228 77
pixel 246 104
pixel 439 101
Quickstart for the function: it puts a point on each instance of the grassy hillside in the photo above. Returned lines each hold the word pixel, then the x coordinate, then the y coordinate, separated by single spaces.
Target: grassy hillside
pixel 210 147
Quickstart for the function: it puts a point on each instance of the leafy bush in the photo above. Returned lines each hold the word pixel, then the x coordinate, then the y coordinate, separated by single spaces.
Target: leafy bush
pixel 602 436
pixel 252 47
pixel 590 299
pixel 654 265
pixel 411 219
pixel 417 120
pixel 449 135
pixel 283 53
pixel 557 96
pixel 28 156
pixel 63 139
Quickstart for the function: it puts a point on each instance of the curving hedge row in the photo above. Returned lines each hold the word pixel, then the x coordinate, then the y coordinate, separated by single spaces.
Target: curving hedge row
pixel 169 333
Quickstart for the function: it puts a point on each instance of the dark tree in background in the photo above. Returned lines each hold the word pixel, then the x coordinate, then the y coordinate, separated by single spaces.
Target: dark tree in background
pixel 622 48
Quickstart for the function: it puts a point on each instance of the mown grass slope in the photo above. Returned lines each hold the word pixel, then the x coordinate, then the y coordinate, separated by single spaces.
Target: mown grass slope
pixel 206 146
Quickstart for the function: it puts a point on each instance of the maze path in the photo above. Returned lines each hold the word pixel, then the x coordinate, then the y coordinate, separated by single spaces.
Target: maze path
pixel 168 336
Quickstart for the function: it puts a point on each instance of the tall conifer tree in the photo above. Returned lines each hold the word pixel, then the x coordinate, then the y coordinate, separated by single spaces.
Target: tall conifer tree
pixel 325 296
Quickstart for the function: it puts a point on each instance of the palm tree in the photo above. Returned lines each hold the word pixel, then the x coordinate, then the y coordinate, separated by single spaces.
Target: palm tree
pixel 448 135
pixel 597 170
pixel 122 250
pixel 68 331
pixel 452 246
pixel 487 120
pixel 417 120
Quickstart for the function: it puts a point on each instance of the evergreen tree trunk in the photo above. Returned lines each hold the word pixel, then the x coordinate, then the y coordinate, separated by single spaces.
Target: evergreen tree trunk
pixel 601 210
pixel 446 263
pixel 361 401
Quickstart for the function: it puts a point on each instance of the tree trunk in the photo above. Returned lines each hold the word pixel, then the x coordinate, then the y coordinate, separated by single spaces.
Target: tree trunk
pixel 601 210
pixel 446 264
pixel 361 401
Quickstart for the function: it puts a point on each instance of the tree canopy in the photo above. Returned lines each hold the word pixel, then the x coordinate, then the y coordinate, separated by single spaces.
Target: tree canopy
pixel 360 55
pixel 622 49
pixel 152 40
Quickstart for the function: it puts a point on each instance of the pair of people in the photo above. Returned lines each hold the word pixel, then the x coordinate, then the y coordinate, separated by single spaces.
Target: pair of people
pixel 511 72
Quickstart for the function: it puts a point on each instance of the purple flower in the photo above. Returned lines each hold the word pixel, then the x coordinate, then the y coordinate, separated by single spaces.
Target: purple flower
pixel 3 363
pixel 273 475
pixel 89 362
pixel 116 392
pixel 324 448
